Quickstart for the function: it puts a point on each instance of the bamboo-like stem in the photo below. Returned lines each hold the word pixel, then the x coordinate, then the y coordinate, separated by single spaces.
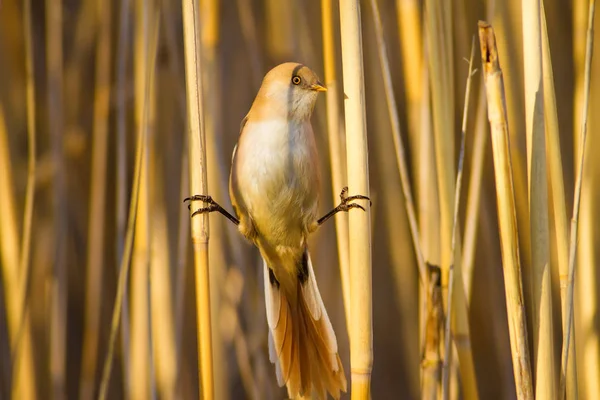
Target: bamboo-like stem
pixel 543 348
pixel 131 221
pixel 336 149
pixel 398 144
pixel 198 176
pixel 555 166
pixel 506 212
pixel 361 338
pixel 461 157
pixel 121 172
pixel 96 226
pixel 58 308
pixel 576 203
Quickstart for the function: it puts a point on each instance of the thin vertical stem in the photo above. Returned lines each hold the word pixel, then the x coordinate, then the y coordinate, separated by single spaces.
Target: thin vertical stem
pixel 198 184
pixel 577 201
pixel 361 339
pixel 121 171
pixel 447 335
pixel 336 148
pixel 543 348
pixel 507 222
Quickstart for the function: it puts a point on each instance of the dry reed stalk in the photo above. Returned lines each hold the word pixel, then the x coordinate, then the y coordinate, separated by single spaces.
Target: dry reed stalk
pixel 361 335
pixel 543 340
pixel 121 172
pixel 398 144
pixel 58 308
pixel 124 268
pixel 96 226
pixel 439 30
pixel 21 355
pixel 443 121
pixel 557 186
pixel 577 199
pixel 431 365
pixel 198 185
pixel 409 26
pixel 587 259
pixel 140 349
pixel 579 21
pixel 17 280
pixel 428 203
pixel 161 296
pixel 506 211
pixel 474 195
pixel 217 180
pixel 336 149
pixel 447 334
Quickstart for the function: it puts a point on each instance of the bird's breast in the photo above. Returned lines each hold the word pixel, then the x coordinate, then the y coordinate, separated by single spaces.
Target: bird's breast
pixel 277 174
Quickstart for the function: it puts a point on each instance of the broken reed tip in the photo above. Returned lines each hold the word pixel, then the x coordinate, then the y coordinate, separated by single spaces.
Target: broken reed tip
pixel 487 43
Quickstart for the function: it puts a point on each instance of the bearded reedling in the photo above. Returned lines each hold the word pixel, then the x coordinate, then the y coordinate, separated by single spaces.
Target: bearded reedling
pixel 274 189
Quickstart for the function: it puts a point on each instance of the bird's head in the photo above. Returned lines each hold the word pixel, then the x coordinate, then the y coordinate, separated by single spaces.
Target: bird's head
pixel 290 89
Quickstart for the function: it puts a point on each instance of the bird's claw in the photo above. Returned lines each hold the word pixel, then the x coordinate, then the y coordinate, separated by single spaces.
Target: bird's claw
pixel 200 197
pixel 345 199
pixel 203 210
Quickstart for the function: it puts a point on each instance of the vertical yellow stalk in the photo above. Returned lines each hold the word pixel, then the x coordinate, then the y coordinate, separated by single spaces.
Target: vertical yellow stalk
pixel 409 25
pixel 16 280
pixel 554 162
pixel 121 170
pixel 198 185
pixel 440 59
pixel 58 318
pixel 543 341
pixel 443 120
pixel 217 178
pixel 588 289
pixel 96 226
pixel 447 335
pixel 140 357
pixel 576 204
pixel 474 195
pixel 361 335
pixel 336 154
pixel 506 212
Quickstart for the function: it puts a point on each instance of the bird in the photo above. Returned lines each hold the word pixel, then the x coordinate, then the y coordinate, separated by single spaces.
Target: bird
pixel 274 190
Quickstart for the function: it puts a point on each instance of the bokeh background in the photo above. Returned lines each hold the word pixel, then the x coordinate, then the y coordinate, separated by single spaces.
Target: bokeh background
pixel 88 88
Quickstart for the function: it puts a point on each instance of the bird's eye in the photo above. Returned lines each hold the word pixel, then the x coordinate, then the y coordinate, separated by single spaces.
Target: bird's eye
pixel 296 80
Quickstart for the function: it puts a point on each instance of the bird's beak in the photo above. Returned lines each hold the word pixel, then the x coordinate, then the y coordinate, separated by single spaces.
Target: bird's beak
pixel 318 87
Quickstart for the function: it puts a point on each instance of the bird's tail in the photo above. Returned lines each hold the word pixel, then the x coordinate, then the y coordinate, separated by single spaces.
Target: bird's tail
pixel 302 343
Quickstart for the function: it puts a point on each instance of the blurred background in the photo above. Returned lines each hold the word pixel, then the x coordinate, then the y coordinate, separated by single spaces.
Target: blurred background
pixel 82 106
